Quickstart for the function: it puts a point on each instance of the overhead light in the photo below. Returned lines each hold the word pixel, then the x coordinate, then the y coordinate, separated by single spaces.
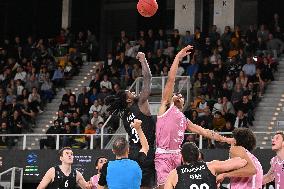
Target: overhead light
pixel 43 130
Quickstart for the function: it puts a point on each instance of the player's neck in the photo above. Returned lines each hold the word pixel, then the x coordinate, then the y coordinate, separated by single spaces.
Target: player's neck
pixel 280 154
pixel 66 168
pixel 122 157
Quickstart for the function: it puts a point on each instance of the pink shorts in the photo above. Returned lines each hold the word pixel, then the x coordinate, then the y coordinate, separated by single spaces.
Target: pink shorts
pixel 164 164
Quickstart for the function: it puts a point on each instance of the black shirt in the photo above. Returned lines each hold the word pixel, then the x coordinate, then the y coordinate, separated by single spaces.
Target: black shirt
pixel 62 181
pixel 148 126
pixel 195 175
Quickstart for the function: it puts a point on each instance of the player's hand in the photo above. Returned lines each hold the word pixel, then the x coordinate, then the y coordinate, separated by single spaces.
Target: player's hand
pixel 220 178
pixel 89 185
pixel 184 52
pixel 141 57
pixel 136 124
pixel 231 141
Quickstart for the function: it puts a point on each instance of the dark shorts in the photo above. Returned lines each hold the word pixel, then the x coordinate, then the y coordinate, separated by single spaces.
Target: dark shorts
pixel 147 166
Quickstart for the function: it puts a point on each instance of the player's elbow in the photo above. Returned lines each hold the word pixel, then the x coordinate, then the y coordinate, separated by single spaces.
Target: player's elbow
pixel 243 162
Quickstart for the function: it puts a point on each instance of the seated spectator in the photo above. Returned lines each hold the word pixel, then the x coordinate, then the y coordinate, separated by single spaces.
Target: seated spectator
pixel 228 127
pixel 19 87
pixel 202 107
pixel 249 68
pixel 21 74
pixel 72 105
pixel 218 122
pixel 89 129
pixel 76 123
pixel 95 83
pixel 96 119
pixel 104 92
pixel 218 106
pixel 247 108
pixel 214 57
pixel 95 107
pixel 28 115
pixel 192 69
pixel 275 46
pixel 229 82
pixel 93 96
pixel 4 140
pixel 67 140
pixel 228 109
pixel 10 96
pixel 58 78
pixel 136 71
pixel 31 83
pixel 46 90
pixel 34 100
pixel 259 82
pixel 15 123
pixel 105 82
pixel 242 79
pixel 241 120
pixel 50 141
pixel 225 91
pixel 237 93
pixel 81 97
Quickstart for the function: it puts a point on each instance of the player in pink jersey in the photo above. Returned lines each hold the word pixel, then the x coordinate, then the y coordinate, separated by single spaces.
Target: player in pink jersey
pixel 250 176
pixel 171 125
pixel 276 171
pixel 99 164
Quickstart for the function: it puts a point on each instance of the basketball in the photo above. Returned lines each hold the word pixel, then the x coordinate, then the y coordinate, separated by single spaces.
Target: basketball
pixel 147 8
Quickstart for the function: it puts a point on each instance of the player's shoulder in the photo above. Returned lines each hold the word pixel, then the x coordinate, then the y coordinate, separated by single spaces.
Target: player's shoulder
pixel 237 149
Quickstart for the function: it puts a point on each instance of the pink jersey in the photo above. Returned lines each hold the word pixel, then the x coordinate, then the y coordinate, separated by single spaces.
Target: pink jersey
pixel 254 182
pixel 170 129
pixel 95 180
pixel 278 166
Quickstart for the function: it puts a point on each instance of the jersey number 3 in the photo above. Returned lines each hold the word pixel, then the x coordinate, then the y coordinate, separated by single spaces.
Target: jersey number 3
pixel 66 184
pixel 202 186
pixel 134 132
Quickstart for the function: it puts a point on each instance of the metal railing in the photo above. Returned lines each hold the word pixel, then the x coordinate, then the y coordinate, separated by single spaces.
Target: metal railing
pixel 102 138
pixel 13 177
pixel 58 138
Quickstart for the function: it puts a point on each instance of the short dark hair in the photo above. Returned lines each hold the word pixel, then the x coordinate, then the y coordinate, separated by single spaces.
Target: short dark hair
pixel 244 137
pixel 97 160
pixel 60 153
pixel 280 133
pixel 190 152
pixel 120 146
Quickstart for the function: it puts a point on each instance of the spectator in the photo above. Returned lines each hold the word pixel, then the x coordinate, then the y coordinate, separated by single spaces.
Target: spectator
pixel 218 122
pixel 105 82
pixel 262 33
pixel 275 46
pixel 50 141
pixel 93 96
pixel 76 123
pixel 241 120
pixel 218 106
pixel 21 74
pixel 249 68
pixel 96 119
pixel 242 79
pixel 16 123
pixel 35 100
pixel 202 107
pixel 247 108
pixel 95 107
pixel 47 90
pixel 81 97
pixel 237 93
pixel 58 77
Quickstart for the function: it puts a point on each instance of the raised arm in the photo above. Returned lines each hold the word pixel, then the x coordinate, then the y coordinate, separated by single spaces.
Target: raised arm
pixel 246 171
pixel 82 182
pixel 48 177
pixel 219 167
pixel 208 133
pixel 147 77
pixel 269 176
pixel 169 87
pixel 144 143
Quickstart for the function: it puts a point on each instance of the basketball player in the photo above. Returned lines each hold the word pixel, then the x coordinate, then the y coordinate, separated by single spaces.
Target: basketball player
pixel 64 176
pixel 251 175
pixel 195 173
pixel 130 107
pixel 99 164
pixel 276 170
pixel 171 125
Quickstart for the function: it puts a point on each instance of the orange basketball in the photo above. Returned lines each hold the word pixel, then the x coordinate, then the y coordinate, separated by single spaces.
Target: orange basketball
pixel 147 8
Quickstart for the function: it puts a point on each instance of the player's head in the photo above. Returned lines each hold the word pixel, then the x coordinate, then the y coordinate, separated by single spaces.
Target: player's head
pixel 190 152
pixel 244 137
pixel 120 147
pixel 278 141
pixel 120 100
pixel 66 155
pixel 100 162
pixel 178 100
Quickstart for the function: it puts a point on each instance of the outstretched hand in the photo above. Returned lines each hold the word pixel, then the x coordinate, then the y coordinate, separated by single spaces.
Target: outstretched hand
pixel 141 56
pixel 184 52
pixel 136 124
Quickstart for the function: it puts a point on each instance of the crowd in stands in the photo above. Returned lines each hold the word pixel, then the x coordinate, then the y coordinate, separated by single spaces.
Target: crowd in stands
pixel 229 72
pixel 31 72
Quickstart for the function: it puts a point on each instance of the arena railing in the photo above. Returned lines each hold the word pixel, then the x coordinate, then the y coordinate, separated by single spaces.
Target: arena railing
pixel 12 173
pixel 102 137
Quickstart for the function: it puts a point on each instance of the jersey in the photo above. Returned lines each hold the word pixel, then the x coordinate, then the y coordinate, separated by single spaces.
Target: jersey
pixel 253 182
pixel 148 126
pixel 95 180
pixel 195 176
pixel 278 166
pixel 62 181
pixel 170 129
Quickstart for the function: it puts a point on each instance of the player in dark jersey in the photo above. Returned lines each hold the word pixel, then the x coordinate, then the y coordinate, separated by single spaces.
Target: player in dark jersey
pixel 64 176
pixel 130 107
pixel 197 174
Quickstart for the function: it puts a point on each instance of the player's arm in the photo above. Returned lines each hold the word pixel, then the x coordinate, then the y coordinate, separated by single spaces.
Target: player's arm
pixel 208 133
pixel 48 177
pixel 171 180
pixel 82 182
pixel 102 181
pixel 269 176
pixel 144 143
pixel 169 87
pixel 246 171
pixel 147 77
pixel 217 167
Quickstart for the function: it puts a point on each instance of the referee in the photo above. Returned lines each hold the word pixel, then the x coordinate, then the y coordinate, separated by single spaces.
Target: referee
pixel 124 173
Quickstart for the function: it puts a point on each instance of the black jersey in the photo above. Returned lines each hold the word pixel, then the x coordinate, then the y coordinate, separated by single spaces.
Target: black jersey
pixel 195 175
pixel 62 181
pixel 148 126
